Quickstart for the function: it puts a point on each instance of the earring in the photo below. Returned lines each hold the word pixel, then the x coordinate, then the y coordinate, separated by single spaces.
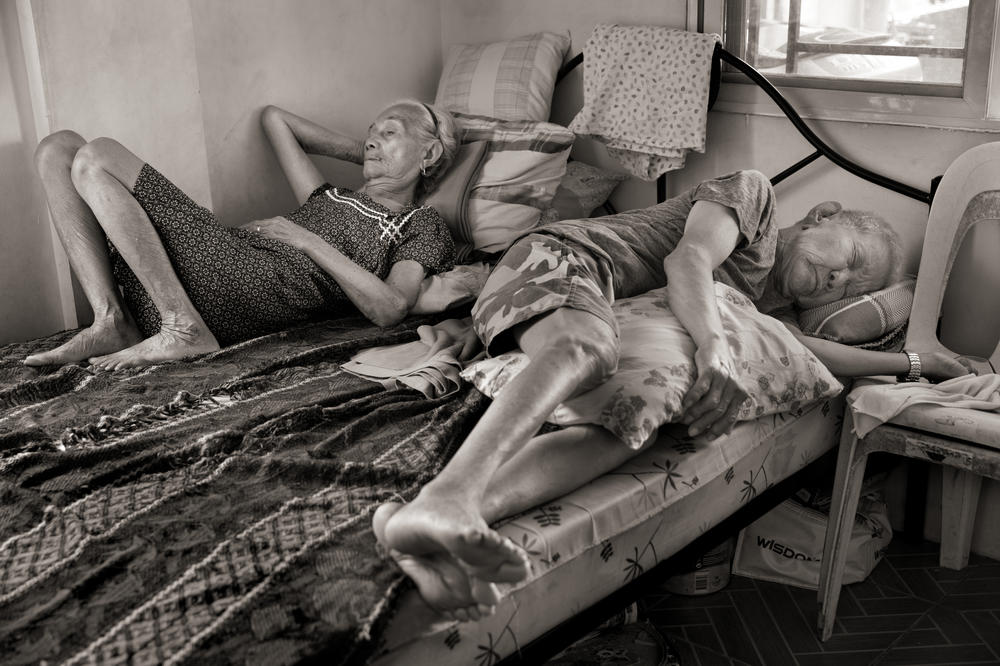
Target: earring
pixel 423 170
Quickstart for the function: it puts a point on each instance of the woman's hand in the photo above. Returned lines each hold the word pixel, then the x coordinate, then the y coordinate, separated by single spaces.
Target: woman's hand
pixel 284 230
pixel 938 366
pixel 712 404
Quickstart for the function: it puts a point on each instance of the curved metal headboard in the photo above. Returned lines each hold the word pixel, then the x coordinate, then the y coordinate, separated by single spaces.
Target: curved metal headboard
pixel 822 150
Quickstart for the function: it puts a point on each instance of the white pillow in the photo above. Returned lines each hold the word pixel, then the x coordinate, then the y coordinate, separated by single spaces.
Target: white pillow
pixel 656 368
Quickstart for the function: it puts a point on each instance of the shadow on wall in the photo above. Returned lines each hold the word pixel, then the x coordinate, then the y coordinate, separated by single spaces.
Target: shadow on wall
pixel 29 288
pixel 29 297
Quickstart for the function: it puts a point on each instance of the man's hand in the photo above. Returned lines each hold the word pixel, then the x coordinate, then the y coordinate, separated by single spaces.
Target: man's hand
pixel 937 366
pixel 284 230
pixel 712 404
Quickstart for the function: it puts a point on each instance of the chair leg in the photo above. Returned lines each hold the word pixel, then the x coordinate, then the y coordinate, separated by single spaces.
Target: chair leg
pixel 851 463
pixel 959 501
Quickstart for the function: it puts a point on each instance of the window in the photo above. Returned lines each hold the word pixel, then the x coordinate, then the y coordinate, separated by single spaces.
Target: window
pixel 931 63
pixel 854 44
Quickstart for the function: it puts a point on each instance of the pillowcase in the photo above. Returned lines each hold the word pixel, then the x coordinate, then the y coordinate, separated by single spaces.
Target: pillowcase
pixel 581 191
pixel 656 368
pixel 860 319
pixel 451 196
pixel 517 178
pixel 510 80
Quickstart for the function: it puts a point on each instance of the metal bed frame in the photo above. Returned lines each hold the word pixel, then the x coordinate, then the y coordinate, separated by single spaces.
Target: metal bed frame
pixel 822 149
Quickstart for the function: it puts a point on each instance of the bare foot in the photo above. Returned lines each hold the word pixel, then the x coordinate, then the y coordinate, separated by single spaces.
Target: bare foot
pixel 170 344
pixel 440 579
pixel 433 524
pixel 105 336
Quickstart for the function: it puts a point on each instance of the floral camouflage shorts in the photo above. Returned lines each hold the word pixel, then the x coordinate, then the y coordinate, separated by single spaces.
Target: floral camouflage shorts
pixel 538 274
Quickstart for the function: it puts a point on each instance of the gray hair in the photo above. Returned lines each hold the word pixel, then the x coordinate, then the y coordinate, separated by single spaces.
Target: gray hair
pixel 874 225
pixel 429 123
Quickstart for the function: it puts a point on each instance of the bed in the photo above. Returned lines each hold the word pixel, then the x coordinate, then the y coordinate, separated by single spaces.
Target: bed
pixel 218 510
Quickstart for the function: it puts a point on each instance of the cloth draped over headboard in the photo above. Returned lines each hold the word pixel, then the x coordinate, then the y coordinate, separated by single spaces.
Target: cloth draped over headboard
pixel 645 95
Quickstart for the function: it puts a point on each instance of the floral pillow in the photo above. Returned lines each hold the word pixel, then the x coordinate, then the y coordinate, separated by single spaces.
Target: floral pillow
pixel 657 368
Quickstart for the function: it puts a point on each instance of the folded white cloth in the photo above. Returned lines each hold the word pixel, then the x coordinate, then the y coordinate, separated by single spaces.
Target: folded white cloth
pixel 873 405
pixel 645 95
pixel 430 365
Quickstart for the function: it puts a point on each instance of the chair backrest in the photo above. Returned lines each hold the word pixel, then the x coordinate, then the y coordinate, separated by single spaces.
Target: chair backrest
pixel 969 193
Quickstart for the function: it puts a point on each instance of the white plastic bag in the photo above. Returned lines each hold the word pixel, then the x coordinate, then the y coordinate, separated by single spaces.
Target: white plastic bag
pixel 785 545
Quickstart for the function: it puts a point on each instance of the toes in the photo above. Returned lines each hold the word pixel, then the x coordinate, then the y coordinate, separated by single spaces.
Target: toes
pixel 467 613
pixel 511 572
pixel 508 564
pixel 381 517
pixel 484 594
pixel 99 361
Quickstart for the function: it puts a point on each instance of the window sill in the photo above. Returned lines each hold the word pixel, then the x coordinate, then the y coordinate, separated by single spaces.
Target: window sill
pixel 856 107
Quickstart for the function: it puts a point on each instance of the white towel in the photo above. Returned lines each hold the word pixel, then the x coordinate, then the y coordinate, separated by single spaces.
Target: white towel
pixel 645 95
pixel 873 405
pixel 430 365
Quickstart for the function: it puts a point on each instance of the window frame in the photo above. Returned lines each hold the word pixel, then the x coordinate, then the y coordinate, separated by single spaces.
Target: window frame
pixel 978 107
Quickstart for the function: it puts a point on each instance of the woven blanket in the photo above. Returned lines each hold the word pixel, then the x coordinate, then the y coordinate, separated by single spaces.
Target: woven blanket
pixel 209 511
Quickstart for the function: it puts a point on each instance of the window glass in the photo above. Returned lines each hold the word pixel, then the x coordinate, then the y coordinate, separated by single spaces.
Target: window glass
pixel 901 41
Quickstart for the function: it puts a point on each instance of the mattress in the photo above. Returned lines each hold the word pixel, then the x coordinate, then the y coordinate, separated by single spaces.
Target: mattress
pixel 209 511
pixel 602 536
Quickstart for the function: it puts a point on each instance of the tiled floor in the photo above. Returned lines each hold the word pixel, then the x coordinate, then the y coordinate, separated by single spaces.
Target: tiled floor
pixel 908 612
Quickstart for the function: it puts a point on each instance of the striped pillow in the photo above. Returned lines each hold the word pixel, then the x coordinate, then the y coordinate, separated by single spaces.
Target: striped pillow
pixel 859 319
pixel 510 80
pixel 524 163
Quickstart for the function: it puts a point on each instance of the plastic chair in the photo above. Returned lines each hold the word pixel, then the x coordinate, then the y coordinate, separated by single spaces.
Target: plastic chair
pixel 966 442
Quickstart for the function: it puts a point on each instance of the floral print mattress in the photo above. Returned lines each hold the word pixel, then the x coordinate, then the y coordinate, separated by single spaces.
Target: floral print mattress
pixel 596 539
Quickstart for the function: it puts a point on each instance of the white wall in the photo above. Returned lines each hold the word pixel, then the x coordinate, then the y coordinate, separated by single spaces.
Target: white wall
pixel 127 69
pixel 29 297
pixel 337 63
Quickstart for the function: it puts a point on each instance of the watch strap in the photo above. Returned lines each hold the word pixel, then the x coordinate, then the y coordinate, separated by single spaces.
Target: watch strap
pixel 915 370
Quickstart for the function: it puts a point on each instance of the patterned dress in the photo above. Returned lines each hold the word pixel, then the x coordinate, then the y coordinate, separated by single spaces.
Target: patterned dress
pixel 245 285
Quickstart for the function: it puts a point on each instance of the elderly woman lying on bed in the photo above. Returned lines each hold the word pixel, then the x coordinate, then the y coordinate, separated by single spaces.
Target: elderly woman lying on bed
pixel 191 284
pixel 551 296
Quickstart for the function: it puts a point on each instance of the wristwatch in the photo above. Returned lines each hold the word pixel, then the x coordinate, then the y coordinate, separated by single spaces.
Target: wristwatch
pixel 914 374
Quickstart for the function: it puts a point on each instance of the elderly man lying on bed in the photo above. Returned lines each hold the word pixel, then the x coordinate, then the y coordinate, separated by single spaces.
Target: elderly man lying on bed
pixel 551 295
